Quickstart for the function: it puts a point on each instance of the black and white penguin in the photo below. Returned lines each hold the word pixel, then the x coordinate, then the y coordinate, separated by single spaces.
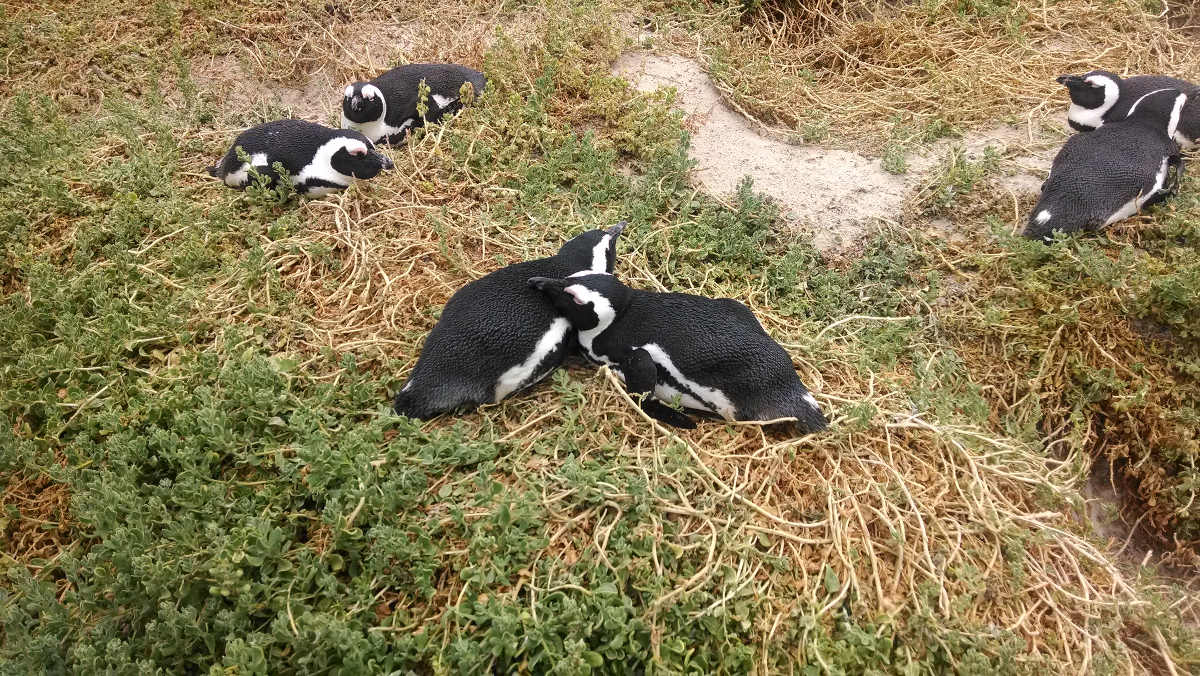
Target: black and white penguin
pixel 1110 174
pixel 385 108
pixel 497 335
pixel 320 160
pixel 710 355
pixel 1100 96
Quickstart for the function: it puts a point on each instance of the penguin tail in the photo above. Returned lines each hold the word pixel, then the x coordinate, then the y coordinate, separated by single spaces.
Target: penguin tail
pixel 408 406
pixel 808 414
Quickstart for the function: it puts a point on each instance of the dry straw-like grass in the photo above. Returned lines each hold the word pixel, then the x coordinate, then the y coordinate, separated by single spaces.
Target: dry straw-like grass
pixel 915 517
pixel 865 65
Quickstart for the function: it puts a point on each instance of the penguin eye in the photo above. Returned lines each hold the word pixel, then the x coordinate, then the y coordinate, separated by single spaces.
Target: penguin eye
pixel 358 152
pixel 578 300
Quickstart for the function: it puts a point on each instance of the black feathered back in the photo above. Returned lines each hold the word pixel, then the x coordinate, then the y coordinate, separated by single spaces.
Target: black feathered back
pixel 487 327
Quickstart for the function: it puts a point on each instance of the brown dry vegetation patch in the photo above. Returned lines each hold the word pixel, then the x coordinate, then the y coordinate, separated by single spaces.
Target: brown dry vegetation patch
pixel 36 512
pixel 965 63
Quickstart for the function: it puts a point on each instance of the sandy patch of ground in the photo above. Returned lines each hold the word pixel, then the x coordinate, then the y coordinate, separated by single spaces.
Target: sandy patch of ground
pixel 833 192
pixel 836 194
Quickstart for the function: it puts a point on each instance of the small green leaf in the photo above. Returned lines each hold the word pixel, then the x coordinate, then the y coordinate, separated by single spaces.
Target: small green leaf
pixel 832 584
pixel 593 659
pixel 606 589
pixel 503 518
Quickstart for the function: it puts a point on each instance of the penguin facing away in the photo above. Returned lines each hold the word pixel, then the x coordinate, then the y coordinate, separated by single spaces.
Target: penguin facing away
pixel 1100 96
pixel 320 160
pixel 385 109
pixel 497 335
pixel 711 355
pixel 1112 173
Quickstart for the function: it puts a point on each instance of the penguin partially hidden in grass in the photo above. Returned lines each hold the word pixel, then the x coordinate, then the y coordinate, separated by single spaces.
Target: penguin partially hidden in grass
pixel 497 335
pixel 320 160
pixel 710 355
pixel 1100 96
pixel 1112 173
pixel 385 109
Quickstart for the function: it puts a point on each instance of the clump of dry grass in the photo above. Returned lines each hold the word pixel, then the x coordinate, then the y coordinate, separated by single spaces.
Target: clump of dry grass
pixel 867 66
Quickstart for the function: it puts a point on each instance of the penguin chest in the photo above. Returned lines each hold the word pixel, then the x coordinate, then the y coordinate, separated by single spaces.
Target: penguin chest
pixel 674 385
pixel 378 131
pixel 538 362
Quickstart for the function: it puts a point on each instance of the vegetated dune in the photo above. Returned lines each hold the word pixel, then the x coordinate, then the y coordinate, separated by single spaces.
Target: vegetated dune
pixel 200 470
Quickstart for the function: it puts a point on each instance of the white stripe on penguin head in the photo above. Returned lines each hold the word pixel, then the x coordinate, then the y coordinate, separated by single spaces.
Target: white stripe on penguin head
pixel 1094 117
pixel 321 164
pixel 349 91
pixel 604 313
pixel 600 255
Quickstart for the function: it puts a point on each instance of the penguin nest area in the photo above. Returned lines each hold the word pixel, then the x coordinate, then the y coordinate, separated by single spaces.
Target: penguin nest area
pixel 201 472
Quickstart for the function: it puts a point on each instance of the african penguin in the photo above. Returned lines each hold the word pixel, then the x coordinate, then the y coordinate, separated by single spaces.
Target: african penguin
pixel 710 354
pixel 320 160
pixel 497 335
pixel 386 108
pixel 1110 174
pixel 1100 96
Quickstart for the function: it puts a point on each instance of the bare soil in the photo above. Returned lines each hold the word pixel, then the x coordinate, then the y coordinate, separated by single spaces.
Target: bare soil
pixel 836 195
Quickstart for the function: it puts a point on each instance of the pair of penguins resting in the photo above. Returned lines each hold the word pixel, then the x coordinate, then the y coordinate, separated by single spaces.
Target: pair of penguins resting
pixel 1137 127
pixel 321 160
pixel 509 329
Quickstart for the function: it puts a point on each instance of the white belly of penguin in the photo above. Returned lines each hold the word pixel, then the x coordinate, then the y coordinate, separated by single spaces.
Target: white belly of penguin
pixel 531 369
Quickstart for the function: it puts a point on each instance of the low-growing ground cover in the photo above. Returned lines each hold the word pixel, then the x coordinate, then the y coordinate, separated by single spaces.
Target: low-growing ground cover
pixel 201 474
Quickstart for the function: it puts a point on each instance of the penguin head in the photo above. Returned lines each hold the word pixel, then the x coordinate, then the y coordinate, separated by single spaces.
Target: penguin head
pixel 1092 95
pixel 588 301
pixel 594 250
pixel 362 102
pixel 1159 109
pixel 356 156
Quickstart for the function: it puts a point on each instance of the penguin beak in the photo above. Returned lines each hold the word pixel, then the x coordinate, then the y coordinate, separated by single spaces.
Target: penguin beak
pixel 1062 79
pixel 388 164
pixel 617 229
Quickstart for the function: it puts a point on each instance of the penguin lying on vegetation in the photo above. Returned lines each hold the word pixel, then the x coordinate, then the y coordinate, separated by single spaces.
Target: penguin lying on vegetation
pixel 1110 174
pixel 385 108
pixel 711 355
pixel 320 160
pixel 496 335
pixel 1100 96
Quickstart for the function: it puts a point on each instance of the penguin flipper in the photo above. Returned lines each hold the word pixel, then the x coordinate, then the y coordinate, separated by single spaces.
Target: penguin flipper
pixel 641 375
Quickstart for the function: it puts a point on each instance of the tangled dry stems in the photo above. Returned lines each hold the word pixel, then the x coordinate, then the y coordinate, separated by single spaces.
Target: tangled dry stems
pixel 910 514
pixel 867 66
pixel 900 508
